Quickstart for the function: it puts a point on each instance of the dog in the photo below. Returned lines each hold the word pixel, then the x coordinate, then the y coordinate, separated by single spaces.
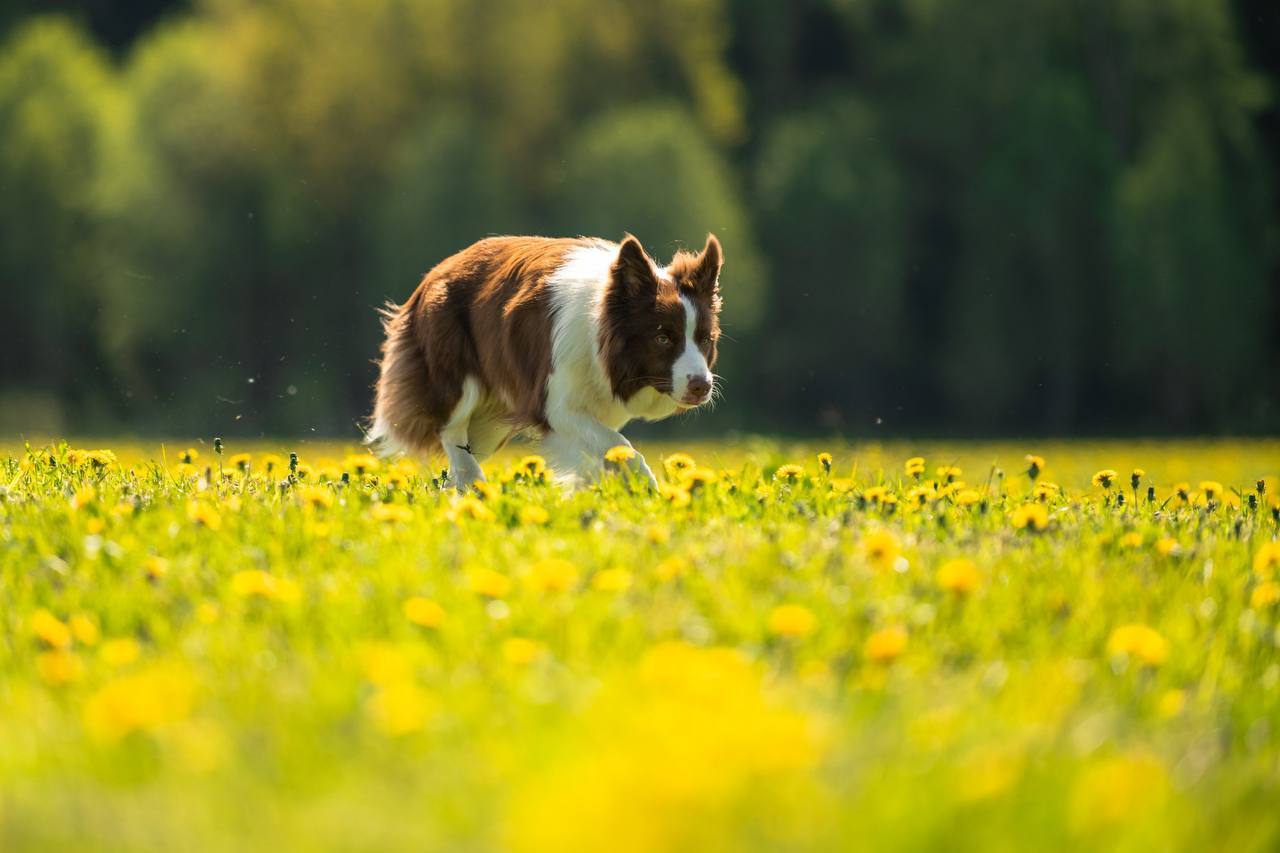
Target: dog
pixel 568 339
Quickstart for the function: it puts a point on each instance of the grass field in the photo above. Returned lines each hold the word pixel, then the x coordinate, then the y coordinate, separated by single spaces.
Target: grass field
pixel 222 653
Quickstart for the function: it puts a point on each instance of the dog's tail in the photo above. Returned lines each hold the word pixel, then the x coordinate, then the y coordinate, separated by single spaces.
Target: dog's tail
pixel 400 422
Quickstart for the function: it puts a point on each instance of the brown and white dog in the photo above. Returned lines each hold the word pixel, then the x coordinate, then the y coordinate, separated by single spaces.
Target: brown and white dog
pixel 571 338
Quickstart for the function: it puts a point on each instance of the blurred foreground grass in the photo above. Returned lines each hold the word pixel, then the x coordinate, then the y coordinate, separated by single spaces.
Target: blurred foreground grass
pixel 766 655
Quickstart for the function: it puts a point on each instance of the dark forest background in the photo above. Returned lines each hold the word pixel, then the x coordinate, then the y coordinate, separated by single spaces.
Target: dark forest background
pixel 1057 216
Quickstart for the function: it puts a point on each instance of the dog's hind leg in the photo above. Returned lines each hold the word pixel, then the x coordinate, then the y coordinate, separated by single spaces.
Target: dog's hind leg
pixel 455 438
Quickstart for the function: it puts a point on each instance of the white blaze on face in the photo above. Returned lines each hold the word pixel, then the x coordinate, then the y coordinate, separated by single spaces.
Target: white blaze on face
pixel 691 364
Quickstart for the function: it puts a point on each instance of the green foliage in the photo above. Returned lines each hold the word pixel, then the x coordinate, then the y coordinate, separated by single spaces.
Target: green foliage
pixel 1046 216
pixel 788 651
pixel 652 172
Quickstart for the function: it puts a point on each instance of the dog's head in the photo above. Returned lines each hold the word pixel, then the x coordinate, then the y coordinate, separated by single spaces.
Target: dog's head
pixel 660 326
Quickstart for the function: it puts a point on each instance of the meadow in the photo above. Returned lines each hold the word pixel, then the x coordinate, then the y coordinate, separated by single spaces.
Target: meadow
pixel 790 646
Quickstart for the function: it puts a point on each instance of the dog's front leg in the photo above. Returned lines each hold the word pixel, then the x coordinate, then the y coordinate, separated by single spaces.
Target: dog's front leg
pixel 577 442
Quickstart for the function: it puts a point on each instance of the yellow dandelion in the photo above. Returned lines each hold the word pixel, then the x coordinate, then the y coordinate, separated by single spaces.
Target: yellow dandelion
pixel 1212 490
pixel 532 466
pixel 1030 517
pixel 824 462
pixel 1045 491
pixel 470 507
pixel 59 666
pixel 619 454
pixel 488 583
pixel 677 463
pixel 1183 491
pixel 611 580
pixel 50 630
pixel 885 646
pixel 156 568
pixel 792 620
pixel 257 583
pixel 959 576
pixel 967 497
pixel 145 702
pixel 914 467
pixel 424 612
pixel 1035 465
pixel 521 651
pixel 843 485
pixel 1104 478
pixel 790 473
pixel 880 548
pixel 271 462
pixel 316 497
pixel 675 494
pixel 119 652
pixel 553 575
pixel 1167 547
pixel 875 494
pixel 189 456
pixel 1265 594
pixel 532 515
pixel 391 513
pixel 204 515
pixel 485 490
pixel 948 473
pixel 399 708
pixel 1132 539
pixel 671 568
pixel 698 478
pixel 361 464
pixel 1138 642
pixel 1267 560
pixel 240 461
pixel 84 629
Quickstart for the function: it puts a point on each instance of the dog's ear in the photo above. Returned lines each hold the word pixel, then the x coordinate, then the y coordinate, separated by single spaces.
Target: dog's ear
pixel 705 277
pixel 633 271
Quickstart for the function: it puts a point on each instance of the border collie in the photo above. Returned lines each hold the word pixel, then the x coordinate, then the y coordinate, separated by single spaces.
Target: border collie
pixel 569 338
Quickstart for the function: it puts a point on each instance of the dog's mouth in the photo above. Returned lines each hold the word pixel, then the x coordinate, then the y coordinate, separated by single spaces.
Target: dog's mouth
pixel 687 402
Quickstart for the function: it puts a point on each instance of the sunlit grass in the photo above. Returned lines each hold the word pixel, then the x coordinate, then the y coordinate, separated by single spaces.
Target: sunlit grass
pixel 777 650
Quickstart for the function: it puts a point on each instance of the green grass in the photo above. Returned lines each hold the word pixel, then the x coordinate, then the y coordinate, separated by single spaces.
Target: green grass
pixel 759 662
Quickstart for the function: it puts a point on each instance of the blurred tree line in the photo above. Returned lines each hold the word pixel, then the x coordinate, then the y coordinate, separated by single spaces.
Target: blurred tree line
pixel 938 216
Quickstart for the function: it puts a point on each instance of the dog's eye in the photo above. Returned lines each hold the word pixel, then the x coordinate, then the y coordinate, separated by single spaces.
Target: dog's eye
pixel 662 339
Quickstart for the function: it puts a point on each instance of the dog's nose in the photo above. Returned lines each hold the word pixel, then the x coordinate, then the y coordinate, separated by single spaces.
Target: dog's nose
pixel 698 388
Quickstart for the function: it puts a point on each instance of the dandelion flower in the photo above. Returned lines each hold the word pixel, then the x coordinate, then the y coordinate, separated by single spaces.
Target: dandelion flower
pixel 189 456
pixel 204 515
pixel 671 568
pixel 360 464
pixel 677 463
pixel 611 580
pixel 967 497
pixel 1132 539
pixel 424 612
pixel 1183 491
pixel 1045 492
pixel 885 646
pixel 948 473
pixel 959 576
pixel 146 701
pixel 521 651
pixel 399 708
pixel 59 666
pixel 880 548
pixel 50 630
pixel 553 575
pixel 619 455
pixel 914 467
pixel 1030 517
pixel 792 620
pixel 488 583
pixel 1267 560
pixel 790 473
pixel 1138 642
pixel 1167 547
pixel 532 467
pixel 1104 478
pixel 84 629
pixel 119 652
pixel 316 497
pixel 391 513
pixel 240 461
pixel 1035 465
pixel 532 515
pixel 824 461
pixel 1265 594
pixel 1212 490
pixel 674 494
pixel 257 583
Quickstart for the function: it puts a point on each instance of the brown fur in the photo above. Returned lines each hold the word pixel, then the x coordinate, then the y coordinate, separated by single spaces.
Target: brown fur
pixel 639 306
pixel 483 312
